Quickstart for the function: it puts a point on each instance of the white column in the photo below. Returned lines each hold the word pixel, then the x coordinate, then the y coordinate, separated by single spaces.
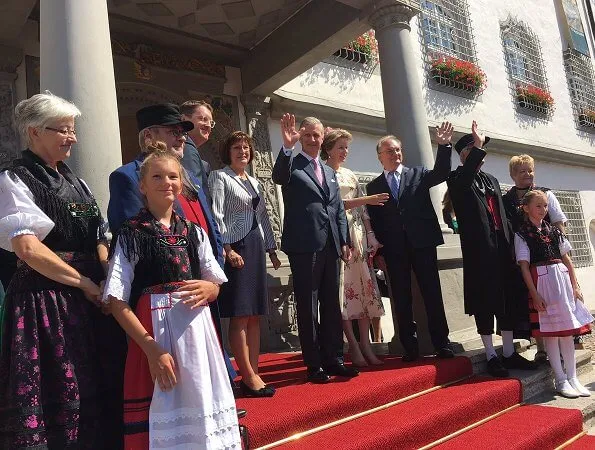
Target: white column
pixel 76 63
pixel 401 88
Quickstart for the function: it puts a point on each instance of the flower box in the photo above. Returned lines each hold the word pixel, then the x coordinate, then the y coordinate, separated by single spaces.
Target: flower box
pixel 587 118
pixel 363 49
pixel 534 99
pixel 458 74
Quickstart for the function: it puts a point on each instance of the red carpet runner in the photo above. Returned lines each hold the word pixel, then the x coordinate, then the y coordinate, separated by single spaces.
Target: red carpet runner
pixel 298 406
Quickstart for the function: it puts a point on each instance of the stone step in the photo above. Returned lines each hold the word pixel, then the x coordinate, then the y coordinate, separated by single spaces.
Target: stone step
pixel 548 397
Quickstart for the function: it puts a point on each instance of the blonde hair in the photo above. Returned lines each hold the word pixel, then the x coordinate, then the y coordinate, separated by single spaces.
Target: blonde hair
pixel 517 161
pixel 39 111
pixel 528 198
pixel 331 139
pixel 388 137
pixel 158 150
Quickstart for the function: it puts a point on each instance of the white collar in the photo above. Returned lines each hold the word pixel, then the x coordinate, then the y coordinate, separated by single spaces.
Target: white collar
pixel 309 158
pixel 399 170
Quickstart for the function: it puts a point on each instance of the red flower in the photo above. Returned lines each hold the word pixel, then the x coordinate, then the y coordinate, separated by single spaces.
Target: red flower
pixel 464 72
pixel 536 95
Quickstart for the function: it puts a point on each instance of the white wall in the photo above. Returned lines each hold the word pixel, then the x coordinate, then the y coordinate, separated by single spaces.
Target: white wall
pixel 494 111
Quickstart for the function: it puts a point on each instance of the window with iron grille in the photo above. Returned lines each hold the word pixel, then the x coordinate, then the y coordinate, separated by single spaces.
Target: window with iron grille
pixel 581 84
pixel 524 62
pixel 450 49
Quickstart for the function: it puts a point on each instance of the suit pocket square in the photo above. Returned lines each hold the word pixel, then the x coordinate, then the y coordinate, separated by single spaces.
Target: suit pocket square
pixel 333 180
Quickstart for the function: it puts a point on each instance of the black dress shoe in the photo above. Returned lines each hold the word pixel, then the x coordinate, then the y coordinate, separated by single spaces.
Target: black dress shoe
pixel 516 361
pixel 249 392
pixel 317 375
pixel 445 352
pixel 341 370
pixel 241 413
pixel 496 369
pixel 410 356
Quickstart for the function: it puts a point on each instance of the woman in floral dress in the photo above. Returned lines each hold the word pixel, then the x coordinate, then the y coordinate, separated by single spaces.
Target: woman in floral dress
pixel 360 296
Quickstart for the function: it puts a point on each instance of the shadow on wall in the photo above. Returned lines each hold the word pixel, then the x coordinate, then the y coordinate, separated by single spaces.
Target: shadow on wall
pixel 442 104
pixel 335 76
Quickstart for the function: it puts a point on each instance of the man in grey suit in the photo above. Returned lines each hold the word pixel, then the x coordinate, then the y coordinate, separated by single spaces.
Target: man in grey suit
pixel 315 235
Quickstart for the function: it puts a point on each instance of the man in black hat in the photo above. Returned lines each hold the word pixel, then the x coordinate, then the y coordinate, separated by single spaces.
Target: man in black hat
pixel 486 242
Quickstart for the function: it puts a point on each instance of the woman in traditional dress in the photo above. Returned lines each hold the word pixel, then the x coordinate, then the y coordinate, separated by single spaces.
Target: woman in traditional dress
pixel 359 293
pixel 59 352
pixel 555 299
pixel 176 391
pixel 242 218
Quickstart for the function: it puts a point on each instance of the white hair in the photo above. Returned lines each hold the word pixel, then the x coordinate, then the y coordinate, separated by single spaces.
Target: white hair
pixel 39 111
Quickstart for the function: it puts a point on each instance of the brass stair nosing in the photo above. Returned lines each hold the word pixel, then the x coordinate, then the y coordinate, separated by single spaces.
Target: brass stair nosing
pixel 469 427
pixel 343 420
pixel 571 440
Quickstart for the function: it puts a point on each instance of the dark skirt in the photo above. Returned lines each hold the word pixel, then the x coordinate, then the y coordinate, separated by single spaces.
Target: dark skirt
pixel 61 364
pixel 245 294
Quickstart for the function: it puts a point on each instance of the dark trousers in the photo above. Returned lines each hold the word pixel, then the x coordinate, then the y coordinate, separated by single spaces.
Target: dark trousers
pixel 424 263
pixel 316 282
pixel 506 307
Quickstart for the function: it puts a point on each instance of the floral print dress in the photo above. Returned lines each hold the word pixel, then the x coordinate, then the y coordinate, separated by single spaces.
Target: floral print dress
pixel 359 293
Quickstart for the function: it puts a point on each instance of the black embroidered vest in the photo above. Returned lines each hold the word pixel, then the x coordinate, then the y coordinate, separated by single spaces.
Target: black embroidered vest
pixel 543 243
pixel 164 256
pixel 68 203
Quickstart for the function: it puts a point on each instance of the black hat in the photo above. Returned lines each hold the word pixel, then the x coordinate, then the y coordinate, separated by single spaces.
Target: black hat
pixel 161 115
pixel 466 140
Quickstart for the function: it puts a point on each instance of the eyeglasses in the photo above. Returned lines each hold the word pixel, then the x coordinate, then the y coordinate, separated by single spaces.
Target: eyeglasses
pixel 63 132
pixel 174 132
pixel 391 151
pixel 206 120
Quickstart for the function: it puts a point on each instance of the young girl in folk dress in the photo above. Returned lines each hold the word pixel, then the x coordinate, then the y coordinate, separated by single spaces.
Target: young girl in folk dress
pixel 557 311
pixel 176 391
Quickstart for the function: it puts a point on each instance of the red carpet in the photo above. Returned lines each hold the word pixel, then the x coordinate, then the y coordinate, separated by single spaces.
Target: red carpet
pixel 584 443
pixel 419 421
pixel 298 406
pixel 525 428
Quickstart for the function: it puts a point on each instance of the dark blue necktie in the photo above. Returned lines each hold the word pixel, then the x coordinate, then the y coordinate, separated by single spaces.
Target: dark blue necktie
pixel 393 183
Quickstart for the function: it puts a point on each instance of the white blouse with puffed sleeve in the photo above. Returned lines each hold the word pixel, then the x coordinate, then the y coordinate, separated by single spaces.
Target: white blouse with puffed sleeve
pixel 19 214
pixel 120 274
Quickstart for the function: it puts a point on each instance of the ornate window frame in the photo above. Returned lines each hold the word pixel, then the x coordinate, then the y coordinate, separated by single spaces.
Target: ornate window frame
pixel 581 87
pixel 526 72
pixel 450 55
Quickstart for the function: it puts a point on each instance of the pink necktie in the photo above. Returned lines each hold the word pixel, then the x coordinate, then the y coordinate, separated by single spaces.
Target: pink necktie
pixel 317 171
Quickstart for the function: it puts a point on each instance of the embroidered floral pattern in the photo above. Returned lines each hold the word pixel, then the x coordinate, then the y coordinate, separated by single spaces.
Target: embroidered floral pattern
pixel 360 294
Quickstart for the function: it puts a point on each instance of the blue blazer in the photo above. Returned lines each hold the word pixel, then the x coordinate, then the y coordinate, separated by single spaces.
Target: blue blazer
pixel 311 210
pixel 126 201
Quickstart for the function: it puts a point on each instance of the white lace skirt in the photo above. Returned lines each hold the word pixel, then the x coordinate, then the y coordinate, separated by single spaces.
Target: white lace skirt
pixel 200 412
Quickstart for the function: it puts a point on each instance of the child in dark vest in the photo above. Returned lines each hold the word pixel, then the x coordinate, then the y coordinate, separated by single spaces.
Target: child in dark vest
pixel 555 300
pixel 176 390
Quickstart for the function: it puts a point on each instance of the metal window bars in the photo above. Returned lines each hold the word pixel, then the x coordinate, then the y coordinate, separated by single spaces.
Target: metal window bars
pixel 524 62
pixel 445 32
pixel 581 85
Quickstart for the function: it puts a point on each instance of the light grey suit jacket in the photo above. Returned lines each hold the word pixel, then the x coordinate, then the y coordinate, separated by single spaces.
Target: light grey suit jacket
pixel 232 207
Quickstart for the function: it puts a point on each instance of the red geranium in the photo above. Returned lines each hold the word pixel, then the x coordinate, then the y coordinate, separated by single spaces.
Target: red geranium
pixel 466 73
pixel 535 95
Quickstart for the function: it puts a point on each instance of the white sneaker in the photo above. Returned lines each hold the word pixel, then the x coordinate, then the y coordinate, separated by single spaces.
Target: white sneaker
pixel 578 387
pixel 565 389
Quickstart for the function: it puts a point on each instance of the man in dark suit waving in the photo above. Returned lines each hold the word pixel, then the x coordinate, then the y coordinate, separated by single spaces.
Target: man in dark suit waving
pixel 408 228
pixel 315 235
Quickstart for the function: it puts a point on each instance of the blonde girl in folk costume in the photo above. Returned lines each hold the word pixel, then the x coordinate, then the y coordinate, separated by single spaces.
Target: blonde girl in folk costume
pixel 176 390
pixel 555 299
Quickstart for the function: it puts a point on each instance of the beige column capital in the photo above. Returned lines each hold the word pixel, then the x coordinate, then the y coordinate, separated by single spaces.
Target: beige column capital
pixel 386 13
